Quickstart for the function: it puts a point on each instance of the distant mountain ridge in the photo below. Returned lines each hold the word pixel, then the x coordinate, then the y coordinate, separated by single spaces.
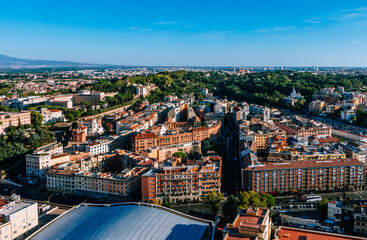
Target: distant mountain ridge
pixel 12 62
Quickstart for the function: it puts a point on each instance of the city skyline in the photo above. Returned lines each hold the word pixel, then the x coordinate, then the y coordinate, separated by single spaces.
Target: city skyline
pixel 302 33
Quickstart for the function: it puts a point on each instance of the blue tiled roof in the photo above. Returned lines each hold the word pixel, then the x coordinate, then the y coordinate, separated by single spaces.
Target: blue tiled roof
pixel 135 222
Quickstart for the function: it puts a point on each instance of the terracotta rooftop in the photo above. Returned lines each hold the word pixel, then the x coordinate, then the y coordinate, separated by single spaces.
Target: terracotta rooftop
pixel 286 233
pixel 328 140
pixel 146 135
pixel 252 218
pixel 307 164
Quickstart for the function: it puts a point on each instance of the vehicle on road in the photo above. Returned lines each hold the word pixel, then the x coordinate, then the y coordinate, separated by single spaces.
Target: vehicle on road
pixel 313 198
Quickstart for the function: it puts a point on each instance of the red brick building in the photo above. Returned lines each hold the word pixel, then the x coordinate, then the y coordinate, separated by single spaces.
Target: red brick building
pixel 304 132
pixel 194 180
pixel 148 140
pixel 306 175
pixel 80 134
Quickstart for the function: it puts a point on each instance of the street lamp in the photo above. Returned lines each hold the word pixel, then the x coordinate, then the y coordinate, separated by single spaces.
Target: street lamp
pixel 49 198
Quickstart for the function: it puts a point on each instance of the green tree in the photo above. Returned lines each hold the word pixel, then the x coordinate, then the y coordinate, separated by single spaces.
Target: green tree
pixel 36 118
pixel 213 201
pixel 243 198
pixel 166 203
pixel 323 207
pixel 270 200
pixel 230 208
pixel 70 117
pixel 85 103
pixel 182 155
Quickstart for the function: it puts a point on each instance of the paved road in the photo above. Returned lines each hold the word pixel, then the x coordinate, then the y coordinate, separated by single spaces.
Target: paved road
pixel 117 110
pixel 353 195
pixel 230 169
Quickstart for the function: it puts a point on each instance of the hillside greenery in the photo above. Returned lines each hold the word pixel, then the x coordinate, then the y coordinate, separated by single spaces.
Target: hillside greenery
pixel 267 88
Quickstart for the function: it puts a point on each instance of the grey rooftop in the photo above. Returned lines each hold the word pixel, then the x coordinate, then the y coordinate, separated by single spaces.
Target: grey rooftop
pixel 125 221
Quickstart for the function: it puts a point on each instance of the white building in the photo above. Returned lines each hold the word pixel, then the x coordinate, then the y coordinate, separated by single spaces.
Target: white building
pixel 293 98
pixel 63 181
pixel 18 217
pixel 43 158
pixel 93 125
pixel 51 115
pixel 38 164
pixel 142 91
pixel 348 115
pixel 24 102
pixel 101 146
pixel 334 211
pixel 204 91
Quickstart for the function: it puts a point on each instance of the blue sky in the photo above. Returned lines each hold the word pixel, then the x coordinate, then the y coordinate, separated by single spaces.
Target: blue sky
pixel 201 33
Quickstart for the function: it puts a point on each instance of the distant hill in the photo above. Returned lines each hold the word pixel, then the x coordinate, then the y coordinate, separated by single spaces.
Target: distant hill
pixel 11 62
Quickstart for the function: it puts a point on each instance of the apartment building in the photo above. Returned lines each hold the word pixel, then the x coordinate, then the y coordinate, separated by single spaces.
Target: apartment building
pixel 306 175
pixel 38 164
pixel 142 91
pixel 356 149
pixel 79 135
pixel 98 185
pixel 137 122
pixel 334 211
pixel 165 153
pixel 104 145
pixel 125 159
pixel 292 129
pixel 250 223
pixel 348 114
pixel 17 217
pixel 15 119
pixel 262 136
pixel 316 106
pixel 278 149
pixel 178 181
pixel 259 132
pixel 43 158
pixel 144 141
pixel 360 220
pixel 93 125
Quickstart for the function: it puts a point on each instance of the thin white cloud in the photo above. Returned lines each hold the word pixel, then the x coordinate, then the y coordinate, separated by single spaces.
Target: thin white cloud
pixel 214 35
pixel 274 29
pixel 356 42
pixel 140 29
pixel 361 9
pixel 343 15
pixel 314 21
pixel 165 23
pixel 354 14
pixel 189 25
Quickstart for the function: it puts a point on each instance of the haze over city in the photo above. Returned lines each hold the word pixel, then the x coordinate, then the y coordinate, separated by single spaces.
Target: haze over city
pixel 189 33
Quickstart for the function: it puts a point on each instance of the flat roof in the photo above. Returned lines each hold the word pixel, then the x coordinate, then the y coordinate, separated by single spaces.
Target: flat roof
pixel 288 233
pixel 125 221
pixel 15 206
